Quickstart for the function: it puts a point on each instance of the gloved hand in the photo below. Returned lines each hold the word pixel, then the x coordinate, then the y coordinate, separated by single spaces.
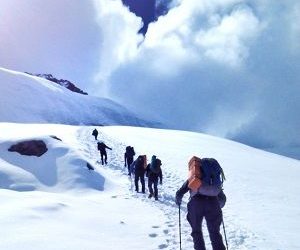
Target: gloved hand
pixel 178 200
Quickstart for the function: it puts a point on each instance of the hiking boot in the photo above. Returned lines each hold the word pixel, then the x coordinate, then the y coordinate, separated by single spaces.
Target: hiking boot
pixel 156 198
pixel 150 196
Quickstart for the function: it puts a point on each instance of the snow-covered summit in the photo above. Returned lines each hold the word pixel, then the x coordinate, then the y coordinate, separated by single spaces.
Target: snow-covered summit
pixel 31 99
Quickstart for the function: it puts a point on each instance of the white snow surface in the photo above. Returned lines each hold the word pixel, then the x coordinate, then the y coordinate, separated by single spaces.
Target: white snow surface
pixel 31 99
pixel 55 202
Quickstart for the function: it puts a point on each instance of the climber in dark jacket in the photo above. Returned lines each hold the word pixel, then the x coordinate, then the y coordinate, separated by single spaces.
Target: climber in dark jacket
pixel 199 207
pixel 137 168
pixel 153 177
pixel 95 133
pixel 102 148
pixel 128 157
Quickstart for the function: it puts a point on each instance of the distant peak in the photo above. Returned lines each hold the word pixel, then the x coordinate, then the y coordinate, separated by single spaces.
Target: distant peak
pixel 65 83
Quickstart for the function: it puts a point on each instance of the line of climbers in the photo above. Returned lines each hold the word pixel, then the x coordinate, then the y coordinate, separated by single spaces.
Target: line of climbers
pixel 101 146
pixel 205 185
pixel 139 168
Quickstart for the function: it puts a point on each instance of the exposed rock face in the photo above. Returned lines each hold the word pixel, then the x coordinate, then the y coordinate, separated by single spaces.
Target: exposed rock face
pixel 65 83
pixel 30 148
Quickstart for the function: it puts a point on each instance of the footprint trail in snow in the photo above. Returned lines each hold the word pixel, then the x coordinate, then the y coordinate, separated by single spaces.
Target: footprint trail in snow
pixel 238 238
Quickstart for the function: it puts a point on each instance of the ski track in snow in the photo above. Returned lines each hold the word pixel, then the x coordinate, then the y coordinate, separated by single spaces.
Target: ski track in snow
pixel 238 238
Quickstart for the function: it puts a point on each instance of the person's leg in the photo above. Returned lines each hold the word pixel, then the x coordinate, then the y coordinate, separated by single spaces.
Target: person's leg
pixel 195 218
pixel 102 159
pixel 213 217
pixel 136 182
pixel 142 178
pixel 150 182
pixel 129 162
pixel 155 189
pixel 105 158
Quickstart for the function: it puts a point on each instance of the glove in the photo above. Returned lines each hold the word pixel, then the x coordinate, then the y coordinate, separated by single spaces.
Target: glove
pixel 178 201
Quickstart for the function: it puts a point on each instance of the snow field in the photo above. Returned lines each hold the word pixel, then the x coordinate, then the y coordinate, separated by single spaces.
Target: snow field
pixel 72 212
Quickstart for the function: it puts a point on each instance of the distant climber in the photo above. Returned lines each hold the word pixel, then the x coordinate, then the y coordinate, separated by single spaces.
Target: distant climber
pixel 102 148
pixel 128 157
pixel 154 174
pixel 95 133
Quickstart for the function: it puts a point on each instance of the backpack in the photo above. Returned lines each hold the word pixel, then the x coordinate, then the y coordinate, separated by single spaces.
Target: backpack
pixel 140 162
pixel 206 176
pixel 194 180
pixel 145 161
pixel 130 151
pixel 155 165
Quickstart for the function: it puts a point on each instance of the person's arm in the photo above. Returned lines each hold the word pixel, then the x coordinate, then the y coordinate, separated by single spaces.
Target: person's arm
pixel 181 192
pixel 132 167
pixel 147 170
pixel 107 147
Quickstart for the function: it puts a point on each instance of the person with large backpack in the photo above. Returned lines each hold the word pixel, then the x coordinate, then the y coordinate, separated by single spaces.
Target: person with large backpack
pixel 95 133
pixel 154 174
pixel 128 157
pixel 138 169
pixel 102 148
pixel 206 200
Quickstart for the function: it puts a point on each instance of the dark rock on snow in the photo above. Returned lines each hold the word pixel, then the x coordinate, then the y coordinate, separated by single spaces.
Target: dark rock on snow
pixel 30 148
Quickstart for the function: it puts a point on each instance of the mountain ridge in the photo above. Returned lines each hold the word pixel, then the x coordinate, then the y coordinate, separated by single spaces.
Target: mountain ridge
pixel 32 99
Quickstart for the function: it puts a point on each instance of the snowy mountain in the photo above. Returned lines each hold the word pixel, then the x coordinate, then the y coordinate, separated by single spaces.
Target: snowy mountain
pixel 31 99
pixel 55 202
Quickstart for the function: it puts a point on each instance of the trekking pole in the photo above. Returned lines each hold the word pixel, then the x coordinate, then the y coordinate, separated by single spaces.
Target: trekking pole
pixel 179 228
pixel 224 233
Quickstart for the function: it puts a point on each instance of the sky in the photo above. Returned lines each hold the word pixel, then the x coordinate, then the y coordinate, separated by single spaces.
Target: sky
pixel 229 68
pixel 46 201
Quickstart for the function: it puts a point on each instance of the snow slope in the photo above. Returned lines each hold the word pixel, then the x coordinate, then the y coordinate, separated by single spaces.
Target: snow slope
pixel 55 202
pixel 31 99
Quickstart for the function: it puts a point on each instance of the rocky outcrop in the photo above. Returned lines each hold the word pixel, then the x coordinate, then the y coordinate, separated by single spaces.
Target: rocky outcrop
pixel 30 148
pixel 65 83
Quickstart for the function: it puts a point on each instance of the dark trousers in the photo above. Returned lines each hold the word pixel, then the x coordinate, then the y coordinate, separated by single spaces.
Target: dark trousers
pixel 103 157
pixel 129 161
pixel 205 207
pixel 140 177
pixel 154 183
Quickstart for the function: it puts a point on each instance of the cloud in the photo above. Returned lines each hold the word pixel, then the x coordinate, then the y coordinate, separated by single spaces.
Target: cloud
pixel 228 68
pixel 119 28
pixel 224 67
